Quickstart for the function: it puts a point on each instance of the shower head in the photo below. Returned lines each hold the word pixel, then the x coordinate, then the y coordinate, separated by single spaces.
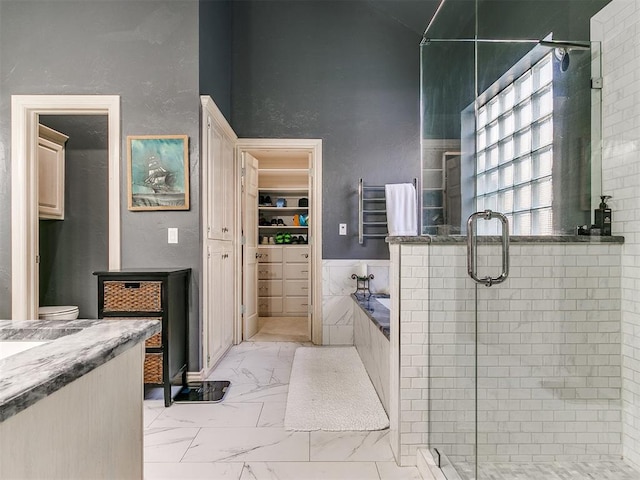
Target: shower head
pixel 568 46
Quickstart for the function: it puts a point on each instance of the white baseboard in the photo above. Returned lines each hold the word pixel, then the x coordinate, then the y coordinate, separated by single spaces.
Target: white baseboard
pixel 427 466
pixel 193 377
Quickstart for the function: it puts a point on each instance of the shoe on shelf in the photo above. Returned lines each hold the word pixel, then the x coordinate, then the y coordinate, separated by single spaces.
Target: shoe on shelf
pixel 279 238
pixel 264 240
pixel 280 222
pixel 260 200
pixel 272 241
pixel 295 239
pixel 267 200
pixel 274 222
pixel 287 238
pixel 263 221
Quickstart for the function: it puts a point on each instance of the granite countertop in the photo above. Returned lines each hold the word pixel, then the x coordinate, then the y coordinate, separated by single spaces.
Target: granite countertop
pixel 454 239
pixel 74 348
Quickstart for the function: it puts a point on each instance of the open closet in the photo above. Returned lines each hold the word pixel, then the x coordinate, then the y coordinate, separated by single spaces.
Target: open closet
pixel 284 264
pixel 262 253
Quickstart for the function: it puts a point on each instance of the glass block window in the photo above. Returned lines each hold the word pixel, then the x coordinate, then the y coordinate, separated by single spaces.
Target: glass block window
pixel 514 153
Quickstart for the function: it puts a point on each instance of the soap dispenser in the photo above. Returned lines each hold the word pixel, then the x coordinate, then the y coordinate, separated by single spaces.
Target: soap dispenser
pixel 603 216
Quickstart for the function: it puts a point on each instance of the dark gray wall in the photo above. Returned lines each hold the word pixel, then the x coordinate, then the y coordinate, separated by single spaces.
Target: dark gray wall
pixel 144 51
pixel 215 52
pixel 73 248
pixel 346 72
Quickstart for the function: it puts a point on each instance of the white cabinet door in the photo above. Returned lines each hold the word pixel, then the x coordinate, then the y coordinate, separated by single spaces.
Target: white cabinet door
pixel 250 256
pixel 219 314
pixel 228 188
pixel 228 280
pixel 215 308
pixel 51 166
pixel 215 182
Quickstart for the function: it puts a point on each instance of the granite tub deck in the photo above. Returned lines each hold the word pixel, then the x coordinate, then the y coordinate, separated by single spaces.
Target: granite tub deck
pixel 375 310
pixel 371 338
pixel 73 348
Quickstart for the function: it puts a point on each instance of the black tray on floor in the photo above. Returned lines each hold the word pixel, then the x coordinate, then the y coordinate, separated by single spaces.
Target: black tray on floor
pixel 208 391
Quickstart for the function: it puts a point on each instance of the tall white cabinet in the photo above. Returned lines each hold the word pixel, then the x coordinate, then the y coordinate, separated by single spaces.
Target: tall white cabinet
pixel 290 169
pixel 218 209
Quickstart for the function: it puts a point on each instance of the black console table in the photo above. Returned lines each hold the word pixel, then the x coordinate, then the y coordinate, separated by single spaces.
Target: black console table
pixel 160 294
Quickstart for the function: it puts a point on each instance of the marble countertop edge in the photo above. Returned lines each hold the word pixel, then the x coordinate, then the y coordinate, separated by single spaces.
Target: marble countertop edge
pixel 31 375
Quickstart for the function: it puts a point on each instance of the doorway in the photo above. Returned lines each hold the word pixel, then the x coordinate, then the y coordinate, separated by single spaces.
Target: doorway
pixel 286 241
pixel 72 239
pixel 26 111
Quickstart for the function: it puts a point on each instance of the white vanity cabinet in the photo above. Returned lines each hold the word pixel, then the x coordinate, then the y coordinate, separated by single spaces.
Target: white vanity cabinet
pixel 51 159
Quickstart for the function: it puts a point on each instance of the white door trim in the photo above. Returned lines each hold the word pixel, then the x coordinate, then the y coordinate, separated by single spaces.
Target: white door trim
pixel 314 146
pixel 25 111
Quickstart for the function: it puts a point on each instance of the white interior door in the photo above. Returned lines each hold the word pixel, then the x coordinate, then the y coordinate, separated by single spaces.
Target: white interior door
pixel 250 247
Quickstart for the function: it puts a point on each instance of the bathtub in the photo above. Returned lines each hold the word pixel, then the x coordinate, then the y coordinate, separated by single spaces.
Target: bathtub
pixel 385 301
pixel 371 337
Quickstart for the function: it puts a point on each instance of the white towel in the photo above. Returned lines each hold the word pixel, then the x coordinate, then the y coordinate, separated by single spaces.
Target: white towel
pixel 401 210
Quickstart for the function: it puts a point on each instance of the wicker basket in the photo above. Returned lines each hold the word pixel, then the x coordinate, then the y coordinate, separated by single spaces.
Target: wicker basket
pixel 154 341
pixel 153 368
pixel 122 296
pixel 151 342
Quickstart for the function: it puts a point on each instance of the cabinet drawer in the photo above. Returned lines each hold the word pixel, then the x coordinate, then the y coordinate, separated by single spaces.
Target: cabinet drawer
pixel 297 287
pixel 269 305
pixel 269 271
pixel 269 255
pixel 296 271
pixel 296 305
pixel 135 296
pixel 270 288
pixel 296 254
pixel 153 368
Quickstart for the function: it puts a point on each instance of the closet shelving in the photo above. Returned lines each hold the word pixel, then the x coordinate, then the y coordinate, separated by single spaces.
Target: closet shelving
pixel 283 268
pixel 280 179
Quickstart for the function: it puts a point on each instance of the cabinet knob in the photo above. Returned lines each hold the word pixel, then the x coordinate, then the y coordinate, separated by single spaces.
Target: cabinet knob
pixel 306 255
pixel 258 255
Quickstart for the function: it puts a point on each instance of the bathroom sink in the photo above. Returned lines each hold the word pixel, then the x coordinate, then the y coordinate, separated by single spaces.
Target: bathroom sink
pixel 35 334
pixel 8 348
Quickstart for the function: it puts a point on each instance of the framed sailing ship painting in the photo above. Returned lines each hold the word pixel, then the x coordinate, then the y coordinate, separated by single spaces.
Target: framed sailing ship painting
pixel 158 168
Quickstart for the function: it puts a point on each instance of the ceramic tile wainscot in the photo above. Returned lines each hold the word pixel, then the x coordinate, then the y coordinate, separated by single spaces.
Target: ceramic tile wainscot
pixel 52 422
pixel 548 350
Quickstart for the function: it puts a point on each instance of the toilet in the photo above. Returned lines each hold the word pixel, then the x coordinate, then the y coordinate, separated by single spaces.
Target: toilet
pixel 65 312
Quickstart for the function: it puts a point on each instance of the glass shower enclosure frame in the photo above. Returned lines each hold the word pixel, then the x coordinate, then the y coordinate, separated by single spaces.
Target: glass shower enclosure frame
pixel 511 140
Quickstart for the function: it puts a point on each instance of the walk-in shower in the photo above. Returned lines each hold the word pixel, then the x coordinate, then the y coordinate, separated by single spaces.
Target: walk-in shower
pixel 524 374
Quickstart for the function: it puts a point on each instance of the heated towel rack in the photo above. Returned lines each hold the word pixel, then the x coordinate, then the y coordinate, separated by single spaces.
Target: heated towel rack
pixel 372 211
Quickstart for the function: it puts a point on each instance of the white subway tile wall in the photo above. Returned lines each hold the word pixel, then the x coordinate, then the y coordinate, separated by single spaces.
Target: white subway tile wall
pixel 617 26
pixel 548 354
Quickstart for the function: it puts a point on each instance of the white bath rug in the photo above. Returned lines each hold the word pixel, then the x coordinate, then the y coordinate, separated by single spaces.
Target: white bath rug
pixel 330 390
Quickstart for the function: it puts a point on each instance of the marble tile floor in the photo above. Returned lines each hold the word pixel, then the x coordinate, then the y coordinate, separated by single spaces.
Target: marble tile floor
pixel 550 471
pixel 282 329
pixel 243 437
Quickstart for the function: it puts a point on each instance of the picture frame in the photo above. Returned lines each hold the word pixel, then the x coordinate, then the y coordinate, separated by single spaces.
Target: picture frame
pixel 158 172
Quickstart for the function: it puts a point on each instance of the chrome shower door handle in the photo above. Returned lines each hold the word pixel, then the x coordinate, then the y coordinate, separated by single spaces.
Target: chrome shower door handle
pixel 471 247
